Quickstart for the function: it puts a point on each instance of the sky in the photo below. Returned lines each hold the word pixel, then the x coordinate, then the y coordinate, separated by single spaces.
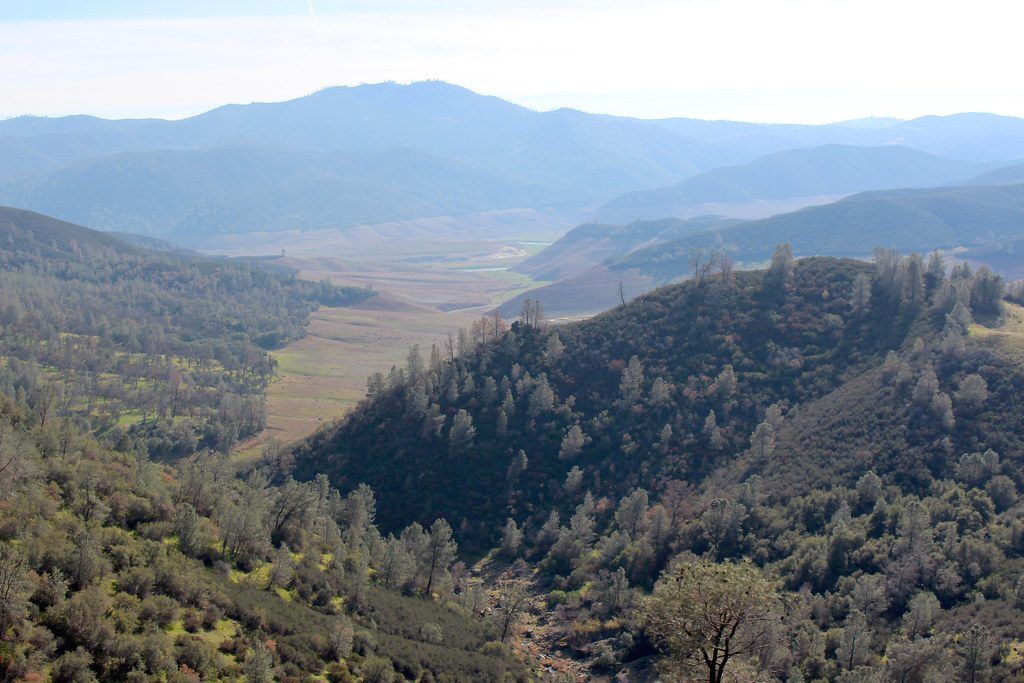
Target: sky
pixel 801 61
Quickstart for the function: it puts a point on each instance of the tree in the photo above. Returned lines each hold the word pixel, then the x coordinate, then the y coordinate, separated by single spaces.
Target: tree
pixel 290 502
pixel 414 364
pixel 259 664
pixel 629 516
pixel 959 319
pixel 1003 492
pixel 972 393
pixel 14 463
pixel 377 670
pixel 763 441
pixel 855 642
pixel 518 465
pixel 282 569
pixel 573 481
pixel 572 443
pixel 358 511
pixel 548 534
pixel 341 637
pixel 917 661
pixel 186 526
pixel 632 383
pixel 861 294
pixel 702 261
pixel 986 291
pixel 707 615
pixel 15 587
pixel 936 271
pixel 975 652
pixel 926 387
pixel 532 313
pixel 553 349
pixel 869 490
pixel 912 291
pixel 439 553
pixel 375 386
pixel 712 433
pixel 726 383
pixel 511 538
pixel 661 392
pixel 396 563
pixel 782 265
pixel 922 612
pixel 513 599
pixel 462 433
pixel 542 398
pixel 942 409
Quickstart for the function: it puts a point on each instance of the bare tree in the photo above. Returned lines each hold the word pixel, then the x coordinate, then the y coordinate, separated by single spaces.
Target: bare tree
pixel 703 260
pixel 532 313
pixel 728 269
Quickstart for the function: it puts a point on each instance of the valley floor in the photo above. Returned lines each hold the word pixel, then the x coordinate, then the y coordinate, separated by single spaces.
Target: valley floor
pixel 324 374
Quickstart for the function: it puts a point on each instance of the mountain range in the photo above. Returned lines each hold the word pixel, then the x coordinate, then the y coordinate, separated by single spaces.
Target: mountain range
pixel 804 175
pixel 374 153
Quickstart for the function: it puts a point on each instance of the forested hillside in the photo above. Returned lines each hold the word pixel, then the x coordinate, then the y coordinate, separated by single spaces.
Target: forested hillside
pixel 168 346
pixel 835 440
pixel 115 568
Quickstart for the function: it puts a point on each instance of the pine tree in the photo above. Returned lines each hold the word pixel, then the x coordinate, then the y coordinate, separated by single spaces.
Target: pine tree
pixel 861 294
pixel 632 384
pixel 553 349
pixel 542 398
pixel 572 443
pixel 462 433
pixel 511 539
pixel 712 433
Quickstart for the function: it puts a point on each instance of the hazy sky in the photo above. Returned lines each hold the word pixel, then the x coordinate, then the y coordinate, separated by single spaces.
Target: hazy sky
pixel 761 60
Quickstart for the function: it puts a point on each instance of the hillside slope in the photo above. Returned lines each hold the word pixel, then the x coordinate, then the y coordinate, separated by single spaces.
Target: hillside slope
pixel 840 429
pixel 1007 175
pixel 587 245
pixel 169 345
pixel 831 170
pixel 187 194
pixel 910 220
pixel 684 334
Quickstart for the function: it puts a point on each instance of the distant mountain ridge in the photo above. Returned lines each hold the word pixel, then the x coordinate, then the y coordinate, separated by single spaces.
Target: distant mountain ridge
pixel 561 160
pixel 830 170
pixel 577 158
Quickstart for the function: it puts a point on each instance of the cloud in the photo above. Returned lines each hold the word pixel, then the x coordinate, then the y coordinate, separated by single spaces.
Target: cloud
pixel 794 60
